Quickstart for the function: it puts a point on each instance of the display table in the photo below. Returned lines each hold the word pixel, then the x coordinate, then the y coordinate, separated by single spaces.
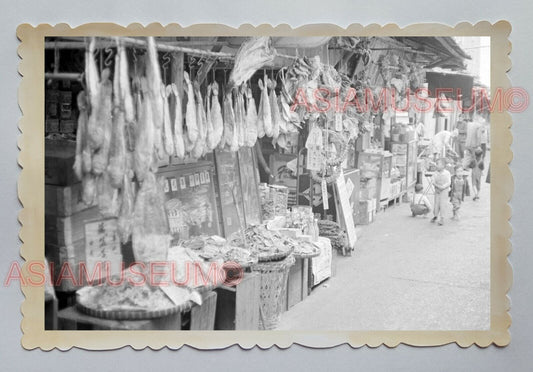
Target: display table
pixel 238 306
pixel 198 318
pixel 320 267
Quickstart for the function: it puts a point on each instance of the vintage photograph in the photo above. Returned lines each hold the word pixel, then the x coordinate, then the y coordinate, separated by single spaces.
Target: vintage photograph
pixel 256 182
pixel 263 183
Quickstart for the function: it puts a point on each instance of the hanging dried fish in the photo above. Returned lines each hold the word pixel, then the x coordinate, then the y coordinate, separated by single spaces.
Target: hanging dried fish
pixel 95 132
pixel 216 116
pixel 179 145
pixel 117 151
pixel 82 163
pixel 104 117
pixel 88 184
pixel 125 87
pixel 107 196
pixel 276 116
pixel 144 139
pixel 266 111
pixel 190 114
pixel 251 119
pixel 230 132
pixel 125 218
pixel 211 141
pixel 239 118
pixel 200 145
pixel 168 141
pixel 154 83
pixel 251 56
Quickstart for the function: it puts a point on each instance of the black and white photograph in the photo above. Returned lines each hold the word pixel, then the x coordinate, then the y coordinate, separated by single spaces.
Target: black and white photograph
pixel 267 183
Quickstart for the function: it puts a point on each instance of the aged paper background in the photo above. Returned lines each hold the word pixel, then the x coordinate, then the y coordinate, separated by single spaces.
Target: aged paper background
pixel 31 99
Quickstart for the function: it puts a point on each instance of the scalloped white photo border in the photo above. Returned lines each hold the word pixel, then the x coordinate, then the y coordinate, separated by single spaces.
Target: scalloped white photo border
pixel 31 217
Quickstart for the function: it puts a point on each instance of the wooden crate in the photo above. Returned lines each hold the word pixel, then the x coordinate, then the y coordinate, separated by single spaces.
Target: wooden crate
pixel 58 162
pixel 64 201
pixel 65 231
pixel 238 306
pixel 298 282
pixel 203 317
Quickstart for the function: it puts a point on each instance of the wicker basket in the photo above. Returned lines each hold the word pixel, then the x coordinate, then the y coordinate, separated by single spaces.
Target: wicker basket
pixel 273 289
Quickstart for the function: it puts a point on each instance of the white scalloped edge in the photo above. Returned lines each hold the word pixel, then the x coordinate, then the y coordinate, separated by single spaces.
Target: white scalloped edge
pixel 31 217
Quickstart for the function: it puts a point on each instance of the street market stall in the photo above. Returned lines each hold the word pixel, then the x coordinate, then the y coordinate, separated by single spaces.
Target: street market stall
pixel 247 160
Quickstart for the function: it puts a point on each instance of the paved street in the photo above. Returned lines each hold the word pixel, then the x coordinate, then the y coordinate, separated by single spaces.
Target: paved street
pixel 407 274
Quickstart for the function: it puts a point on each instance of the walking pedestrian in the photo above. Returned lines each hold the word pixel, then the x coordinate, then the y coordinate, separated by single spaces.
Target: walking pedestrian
pixel 477 171
pixel 441 183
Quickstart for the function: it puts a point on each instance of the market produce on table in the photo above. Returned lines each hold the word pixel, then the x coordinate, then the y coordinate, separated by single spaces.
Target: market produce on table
pixel 214 248
pixel 125 292
pixel 266 244
pixel 335 233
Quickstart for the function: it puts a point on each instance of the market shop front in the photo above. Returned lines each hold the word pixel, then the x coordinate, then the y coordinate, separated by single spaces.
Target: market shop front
pixel 214 176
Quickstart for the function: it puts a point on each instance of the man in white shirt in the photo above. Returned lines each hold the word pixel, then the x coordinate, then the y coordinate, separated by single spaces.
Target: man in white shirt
pixel 442 142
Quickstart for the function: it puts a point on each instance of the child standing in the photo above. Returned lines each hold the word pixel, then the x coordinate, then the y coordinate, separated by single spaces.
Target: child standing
pixel 477 171
pixel 457 192
pixel 441 183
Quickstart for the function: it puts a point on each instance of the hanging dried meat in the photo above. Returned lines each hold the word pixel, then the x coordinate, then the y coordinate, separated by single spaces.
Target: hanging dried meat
pixel 125 218
pixel 179 145
pixel 264 117
pixel 200 145
pixel 107 196
pixel 88 184
pixel 125 87
pixel 95 132
pixel 168 141
pixel 240 120
pixel 229 120
pixel 216 115
pixel 82 162
pixel 144 139
pixel 153 78
pixel 190 113
pixel 117 151
pixel 251 119
pixel 276 116
pixel 231 138
pixel 104 124
pixel 150 234
pixel 251 56
pixel 211 140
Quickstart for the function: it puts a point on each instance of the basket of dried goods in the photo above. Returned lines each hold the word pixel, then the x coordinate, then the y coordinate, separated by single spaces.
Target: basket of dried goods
pixel 267 245
pixel 273 289
pixel 337 235
pixel 305 249
pixel 126 298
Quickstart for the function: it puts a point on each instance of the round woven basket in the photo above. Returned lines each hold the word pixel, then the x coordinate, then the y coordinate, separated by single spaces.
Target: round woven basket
pixel 273 289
